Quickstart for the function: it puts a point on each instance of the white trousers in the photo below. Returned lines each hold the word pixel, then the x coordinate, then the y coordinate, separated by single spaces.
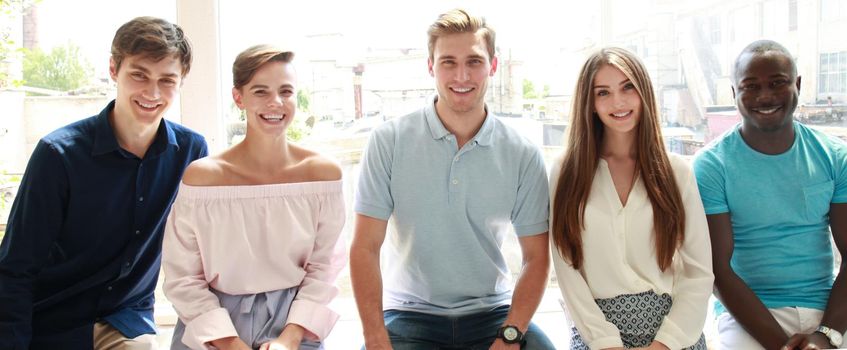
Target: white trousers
pixel 793 320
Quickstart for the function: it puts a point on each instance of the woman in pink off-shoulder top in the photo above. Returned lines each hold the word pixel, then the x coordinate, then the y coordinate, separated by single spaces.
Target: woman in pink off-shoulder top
pixel 251 248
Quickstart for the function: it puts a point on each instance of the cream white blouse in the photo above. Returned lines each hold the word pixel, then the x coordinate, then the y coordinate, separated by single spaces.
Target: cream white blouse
pixel 619 258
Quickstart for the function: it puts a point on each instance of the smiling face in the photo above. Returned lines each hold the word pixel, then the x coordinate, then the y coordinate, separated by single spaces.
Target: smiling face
pixel 269 98
pixel 145 88
pixel 616 101
pixel 766 90
pixel 461 67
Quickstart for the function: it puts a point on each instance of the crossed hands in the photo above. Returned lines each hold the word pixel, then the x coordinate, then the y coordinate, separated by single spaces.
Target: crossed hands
pixel 813 341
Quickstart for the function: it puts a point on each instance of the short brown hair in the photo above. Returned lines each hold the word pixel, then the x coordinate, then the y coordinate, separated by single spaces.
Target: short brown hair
pixel 153 38
pixel 458 21
pixel 250 60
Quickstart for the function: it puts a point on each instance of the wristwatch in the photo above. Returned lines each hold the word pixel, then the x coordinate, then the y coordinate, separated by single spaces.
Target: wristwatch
pixel 510 334
pixel 831 334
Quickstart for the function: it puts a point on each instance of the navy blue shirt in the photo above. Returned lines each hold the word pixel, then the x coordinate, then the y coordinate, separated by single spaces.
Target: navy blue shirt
pixel 84 237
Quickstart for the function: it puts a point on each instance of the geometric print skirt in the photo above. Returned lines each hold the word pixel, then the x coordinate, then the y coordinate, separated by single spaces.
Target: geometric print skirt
pixel 638 318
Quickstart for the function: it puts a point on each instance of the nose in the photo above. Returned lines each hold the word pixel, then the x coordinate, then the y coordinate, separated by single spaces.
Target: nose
pixel 152 92
pixel 462 73
pixel 277 100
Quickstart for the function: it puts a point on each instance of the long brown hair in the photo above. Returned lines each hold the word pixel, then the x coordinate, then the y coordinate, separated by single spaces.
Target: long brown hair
pixel 582 156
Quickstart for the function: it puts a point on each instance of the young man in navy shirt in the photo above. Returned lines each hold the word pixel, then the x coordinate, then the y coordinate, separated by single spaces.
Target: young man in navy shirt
pixel 81 254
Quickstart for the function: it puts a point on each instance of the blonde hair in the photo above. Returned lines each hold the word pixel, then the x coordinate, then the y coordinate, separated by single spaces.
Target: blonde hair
pixel 458 21
pixel 582 156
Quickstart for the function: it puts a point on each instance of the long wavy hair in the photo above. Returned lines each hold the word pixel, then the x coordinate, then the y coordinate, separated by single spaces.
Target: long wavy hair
pixel 582 155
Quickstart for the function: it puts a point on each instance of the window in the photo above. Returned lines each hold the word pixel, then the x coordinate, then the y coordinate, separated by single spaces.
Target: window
pixel 792 15
pixel 715 30
pixel 833 73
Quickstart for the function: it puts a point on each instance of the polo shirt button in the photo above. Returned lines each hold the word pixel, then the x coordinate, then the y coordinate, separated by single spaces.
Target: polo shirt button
pixel 141 199
pixel 455 182
pixel 109 288
pixel 137 232
pixel 128 263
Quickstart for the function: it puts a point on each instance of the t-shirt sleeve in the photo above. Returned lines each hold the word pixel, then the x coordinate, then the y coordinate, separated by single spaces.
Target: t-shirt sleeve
pixel 531 210
pixel 711 183
pixel 373 195
pixel 840 194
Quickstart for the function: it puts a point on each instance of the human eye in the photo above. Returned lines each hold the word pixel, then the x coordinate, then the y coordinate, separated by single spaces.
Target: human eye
pixel 169 82
pixel 602 93
pixel 749 87
pixel 138 76
pixel 779 82
pixel 287 92
pixel 629 86
pixel 260 92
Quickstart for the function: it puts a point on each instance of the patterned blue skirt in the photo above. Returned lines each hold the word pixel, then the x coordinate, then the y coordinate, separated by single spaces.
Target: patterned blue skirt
pixel 638 318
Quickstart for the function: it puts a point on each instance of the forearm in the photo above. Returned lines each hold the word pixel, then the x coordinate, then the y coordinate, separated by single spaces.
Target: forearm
pixel 529 290
pixel 835 316
pixel 748 310
pixel 367 289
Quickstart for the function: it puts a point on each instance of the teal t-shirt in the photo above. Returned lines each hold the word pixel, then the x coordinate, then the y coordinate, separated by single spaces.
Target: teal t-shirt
pixel 779 208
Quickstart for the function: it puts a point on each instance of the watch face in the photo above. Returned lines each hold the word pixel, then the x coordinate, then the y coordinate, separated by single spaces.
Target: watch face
pixel 510 333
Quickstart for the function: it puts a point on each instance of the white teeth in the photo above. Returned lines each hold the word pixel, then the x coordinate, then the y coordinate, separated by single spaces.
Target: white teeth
pixel 274 117
pixel 621 114
pixel 766 111
pixel 461 90
pixel 145 105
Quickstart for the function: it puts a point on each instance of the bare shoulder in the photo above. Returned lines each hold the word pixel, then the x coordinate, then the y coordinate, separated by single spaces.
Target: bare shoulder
pixel 319 167
pixel 206 171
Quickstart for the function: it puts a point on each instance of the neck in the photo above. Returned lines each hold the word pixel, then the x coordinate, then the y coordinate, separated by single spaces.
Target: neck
pixel 768 142
pixel 265 154
pixel 133 137
pixel 618 146
pixel 464 125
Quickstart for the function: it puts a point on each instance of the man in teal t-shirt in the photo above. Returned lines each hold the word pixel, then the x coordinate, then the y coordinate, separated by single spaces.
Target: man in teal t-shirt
pixel 772 189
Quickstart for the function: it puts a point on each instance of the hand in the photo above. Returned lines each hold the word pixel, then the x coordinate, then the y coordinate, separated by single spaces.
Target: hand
pixel 381 343
pixel 279 344
pixel 230 343
pixel 499 344
pixel 812 341
pixel 289 339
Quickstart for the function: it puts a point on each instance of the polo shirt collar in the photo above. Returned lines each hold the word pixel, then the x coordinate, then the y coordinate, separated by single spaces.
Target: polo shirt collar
pixel 484 136
pixel 105 140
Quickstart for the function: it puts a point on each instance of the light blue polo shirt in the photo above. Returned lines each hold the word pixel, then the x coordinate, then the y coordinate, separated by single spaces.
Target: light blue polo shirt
pixel 450 210
pixel 779 207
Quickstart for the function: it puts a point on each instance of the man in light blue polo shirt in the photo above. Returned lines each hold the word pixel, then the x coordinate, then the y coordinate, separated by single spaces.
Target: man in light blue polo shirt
pixel 454 181
pixel 773 189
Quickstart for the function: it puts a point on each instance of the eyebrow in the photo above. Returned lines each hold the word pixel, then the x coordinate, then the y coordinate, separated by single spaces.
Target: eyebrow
pixel 606 86
pixel 772 76
pixel 450 57
pixel 261 86
pixel 147 71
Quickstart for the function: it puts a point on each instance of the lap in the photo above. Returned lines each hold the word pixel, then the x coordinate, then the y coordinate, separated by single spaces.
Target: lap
pixel 418 331
pixel 107 337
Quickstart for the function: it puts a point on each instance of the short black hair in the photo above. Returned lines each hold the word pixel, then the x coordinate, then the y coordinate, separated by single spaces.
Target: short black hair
pixel 759 47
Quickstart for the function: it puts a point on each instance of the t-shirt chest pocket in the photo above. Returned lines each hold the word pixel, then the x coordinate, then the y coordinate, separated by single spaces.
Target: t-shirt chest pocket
pixel 817 199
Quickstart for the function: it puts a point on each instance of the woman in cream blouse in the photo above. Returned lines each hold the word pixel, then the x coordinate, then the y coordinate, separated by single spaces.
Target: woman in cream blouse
pixel 630 241
pixel 251 247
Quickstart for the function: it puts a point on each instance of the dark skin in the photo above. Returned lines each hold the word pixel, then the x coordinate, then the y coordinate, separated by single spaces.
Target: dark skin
pixel 766 92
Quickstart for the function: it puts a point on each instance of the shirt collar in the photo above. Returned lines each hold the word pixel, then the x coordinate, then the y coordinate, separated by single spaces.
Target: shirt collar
pixel 483 137
pixel 105 140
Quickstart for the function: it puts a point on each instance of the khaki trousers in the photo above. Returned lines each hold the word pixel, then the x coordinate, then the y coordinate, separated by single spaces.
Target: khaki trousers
pixel 107 337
